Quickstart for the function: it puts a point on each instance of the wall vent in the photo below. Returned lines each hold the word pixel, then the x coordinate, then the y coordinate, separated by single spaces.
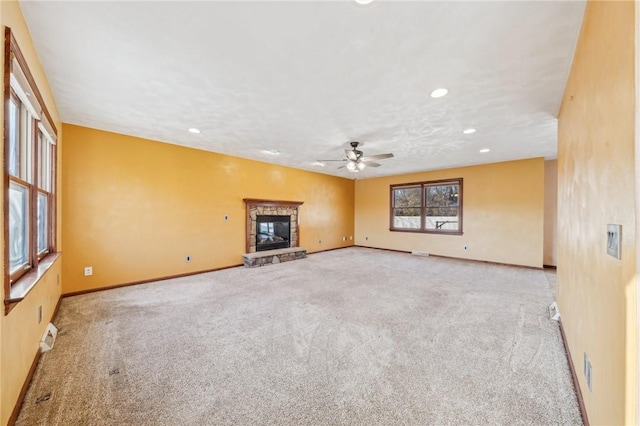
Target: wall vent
pixel 48 338
pixel 554 312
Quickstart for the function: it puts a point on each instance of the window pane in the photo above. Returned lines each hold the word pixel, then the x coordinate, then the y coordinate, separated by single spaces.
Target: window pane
pixel 43 228
pixel 442 195
pixel 407 217
pixel 442 218
pixel 44 162
pixel 407 197
pixel 48 150
pixel 41 165
pixel 18 227
pixel 14 126
pixel 27 134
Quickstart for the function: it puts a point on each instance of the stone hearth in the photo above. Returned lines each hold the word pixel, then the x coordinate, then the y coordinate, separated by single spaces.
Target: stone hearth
pixel 269 257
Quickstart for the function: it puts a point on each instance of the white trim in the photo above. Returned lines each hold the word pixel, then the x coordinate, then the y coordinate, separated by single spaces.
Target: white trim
pixel 22 88
pixel 46 132
pixel 22 95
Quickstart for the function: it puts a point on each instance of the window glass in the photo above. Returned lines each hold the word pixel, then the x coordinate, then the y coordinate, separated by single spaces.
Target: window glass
pixel 442 195
pixel 18 227
pixel 442 211
pixel 407 207
pixel 14 125
pixel 43 228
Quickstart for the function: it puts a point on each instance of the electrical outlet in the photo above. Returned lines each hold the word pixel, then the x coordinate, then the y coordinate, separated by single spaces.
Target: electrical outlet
pixel 88 271
pixel 613 240
pixel 588 372
pixel 351 238
pixel 344 238
pixel 226 218
pixel 187 259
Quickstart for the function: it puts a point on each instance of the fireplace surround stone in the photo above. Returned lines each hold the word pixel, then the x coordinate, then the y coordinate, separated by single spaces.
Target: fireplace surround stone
pixel 260 207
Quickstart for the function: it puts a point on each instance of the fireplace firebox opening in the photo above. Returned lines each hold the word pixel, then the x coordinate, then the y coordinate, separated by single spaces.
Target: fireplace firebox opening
pixel 272 232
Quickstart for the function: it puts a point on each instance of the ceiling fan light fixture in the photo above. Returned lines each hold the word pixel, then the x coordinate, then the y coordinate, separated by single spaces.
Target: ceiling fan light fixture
pixel 469 131
pixel 361 166
pixel 352 167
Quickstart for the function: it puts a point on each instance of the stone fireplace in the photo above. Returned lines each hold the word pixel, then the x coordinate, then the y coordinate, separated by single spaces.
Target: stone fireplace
pixel 263 215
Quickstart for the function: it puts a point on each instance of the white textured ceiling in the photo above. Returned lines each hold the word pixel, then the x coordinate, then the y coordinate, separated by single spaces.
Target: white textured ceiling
pixel 305 78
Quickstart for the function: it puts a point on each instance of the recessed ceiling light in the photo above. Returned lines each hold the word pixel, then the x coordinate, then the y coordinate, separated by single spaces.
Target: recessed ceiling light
pixel 363 1
pixel 483 150
pixel 469 131
pixel 194 130
pixel 438 93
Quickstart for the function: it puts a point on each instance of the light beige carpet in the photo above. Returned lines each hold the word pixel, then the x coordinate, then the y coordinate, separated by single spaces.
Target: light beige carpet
pixel 353 336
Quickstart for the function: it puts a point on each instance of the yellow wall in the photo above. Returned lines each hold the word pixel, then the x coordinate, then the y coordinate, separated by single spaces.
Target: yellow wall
pixel 550 211
pixel 135 208
pixel 503 208
pixel 596 186
pixel 20 332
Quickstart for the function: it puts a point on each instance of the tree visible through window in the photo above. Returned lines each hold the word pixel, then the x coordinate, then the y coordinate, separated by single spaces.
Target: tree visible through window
pixel 434 207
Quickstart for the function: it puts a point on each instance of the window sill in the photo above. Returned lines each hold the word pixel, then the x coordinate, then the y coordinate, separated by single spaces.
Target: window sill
pixel 27 282
pixel 423 231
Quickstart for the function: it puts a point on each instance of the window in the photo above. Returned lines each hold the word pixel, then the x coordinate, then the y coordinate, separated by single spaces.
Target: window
pixel 30 157
pixel 433 207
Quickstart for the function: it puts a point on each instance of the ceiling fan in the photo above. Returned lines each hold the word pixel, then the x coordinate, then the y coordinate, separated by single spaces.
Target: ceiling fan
pixel 356 162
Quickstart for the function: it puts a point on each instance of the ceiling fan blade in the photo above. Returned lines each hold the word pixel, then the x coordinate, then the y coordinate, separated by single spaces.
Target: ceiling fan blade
pixel 324 161
pixel 342 167
pixel 377 157
pixel 351 155
pixel 370 163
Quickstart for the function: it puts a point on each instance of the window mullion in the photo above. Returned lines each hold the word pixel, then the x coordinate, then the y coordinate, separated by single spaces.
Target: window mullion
pixel 33 205
pixel 423 210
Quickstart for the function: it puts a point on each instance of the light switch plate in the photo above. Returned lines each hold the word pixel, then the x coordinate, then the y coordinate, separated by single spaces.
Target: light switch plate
pixel 613 240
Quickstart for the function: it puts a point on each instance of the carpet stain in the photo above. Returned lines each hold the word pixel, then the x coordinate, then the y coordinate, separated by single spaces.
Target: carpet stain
pixel 43 398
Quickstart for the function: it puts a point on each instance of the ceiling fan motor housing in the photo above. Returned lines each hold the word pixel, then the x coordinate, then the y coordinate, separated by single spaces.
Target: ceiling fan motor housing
pixel 356 151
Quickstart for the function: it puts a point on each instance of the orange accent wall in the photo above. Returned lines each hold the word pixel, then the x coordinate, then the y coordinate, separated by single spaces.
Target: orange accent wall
pixel 135 208
pixel 503 209
pixel 596 187
pixel 20 332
